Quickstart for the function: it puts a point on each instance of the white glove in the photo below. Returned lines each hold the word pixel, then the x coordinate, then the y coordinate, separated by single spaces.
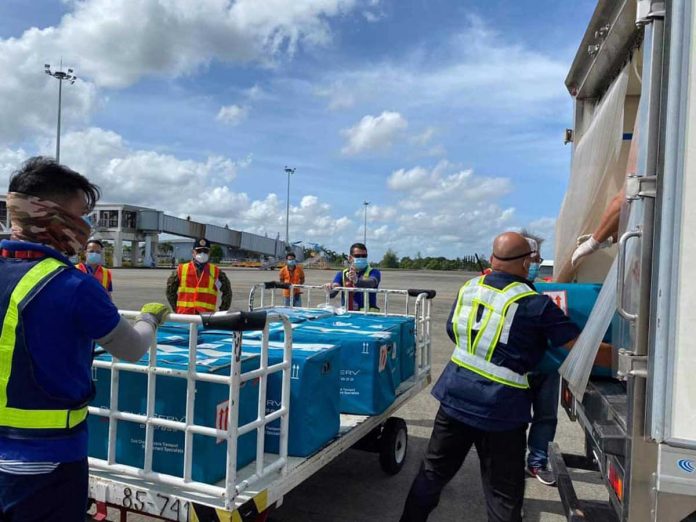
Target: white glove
pixel 604 244
pixel 588 245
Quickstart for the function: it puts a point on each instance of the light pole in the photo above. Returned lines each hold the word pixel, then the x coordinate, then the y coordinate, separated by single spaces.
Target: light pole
pixel 61 76
pixel 365 203
pixel 289 172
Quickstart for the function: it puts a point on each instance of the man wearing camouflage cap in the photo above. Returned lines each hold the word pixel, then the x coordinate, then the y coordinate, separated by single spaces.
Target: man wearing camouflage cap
pixel 196 285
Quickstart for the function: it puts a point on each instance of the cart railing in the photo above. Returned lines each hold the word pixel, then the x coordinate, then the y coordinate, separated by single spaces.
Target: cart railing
pixel 264 295
pixel 235 322
pixel 414 302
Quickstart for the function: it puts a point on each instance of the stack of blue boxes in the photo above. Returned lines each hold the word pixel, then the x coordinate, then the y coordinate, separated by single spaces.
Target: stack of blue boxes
pixel 209 454
pixel 351 363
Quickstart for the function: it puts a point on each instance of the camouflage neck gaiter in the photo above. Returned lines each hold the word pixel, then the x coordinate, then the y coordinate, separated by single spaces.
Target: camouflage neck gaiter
pixel 44 221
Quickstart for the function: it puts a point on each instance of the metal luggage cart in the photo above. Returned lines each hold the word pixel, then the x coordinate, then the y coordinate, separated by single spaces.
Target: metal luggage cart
pixel 245 494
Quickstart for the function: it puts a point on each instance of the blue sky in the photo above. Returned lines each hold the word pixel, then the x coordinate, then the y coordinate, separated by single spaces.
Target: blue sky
pixel 446 115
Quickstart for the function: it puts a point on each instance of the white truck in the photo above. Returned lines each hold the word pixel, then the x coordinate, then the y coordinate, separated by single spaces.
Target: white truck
pixel 633 80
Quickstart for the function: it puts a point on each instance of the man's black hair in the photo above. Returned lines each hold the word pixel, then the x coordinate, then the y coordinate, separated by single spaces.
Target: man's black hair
pixel 359 246
pixel 96 242
pixel 45 178
pixel 290 254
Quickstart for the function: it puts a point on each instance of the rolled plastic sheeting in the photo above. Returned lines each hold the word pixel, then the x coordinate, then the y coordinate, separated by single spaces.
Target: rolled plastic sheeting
pixel 578 365
pixel 597 174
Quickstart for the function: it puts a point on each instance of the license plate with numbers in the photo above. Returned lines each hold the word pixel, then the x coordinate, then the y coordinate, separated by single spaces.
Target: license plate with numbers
pixel 159 504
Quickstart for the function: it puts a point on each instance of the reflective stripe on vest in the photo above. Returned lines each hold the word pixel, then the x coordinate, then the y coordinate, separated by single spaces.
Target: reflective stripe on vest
pixel 104 273
pixel 101 274
pixel 18 418
pixel 367 273
pixel 197 294
pixel 483 334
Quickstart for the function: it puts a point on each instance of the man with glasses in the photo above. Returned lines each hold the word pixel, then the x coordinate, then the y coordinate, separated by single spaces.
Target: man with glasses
pixel 196 285
pixel 501 328
pixel 359 274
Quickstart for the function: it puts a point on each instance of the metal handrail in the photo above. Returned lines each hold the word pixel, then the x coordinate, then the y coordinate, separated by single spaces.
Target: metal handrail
pixel 420 310
pixel 231 486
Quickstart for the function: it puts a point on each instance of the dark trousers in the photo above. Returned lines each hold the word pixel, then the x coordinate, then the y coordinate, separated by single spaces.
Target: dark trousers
pixel 59 495
pixel 501 454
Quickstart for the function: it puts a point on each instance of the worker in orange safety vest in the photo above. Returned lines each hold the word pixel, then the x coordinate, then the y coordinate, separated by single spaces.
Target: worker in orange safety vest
pixel 195 286
pixel 94 264
pixel 293 274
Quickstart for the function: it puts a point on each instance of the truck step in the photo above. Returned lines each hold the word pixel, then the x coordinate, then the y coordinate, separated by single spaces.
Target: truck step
pixel 576 510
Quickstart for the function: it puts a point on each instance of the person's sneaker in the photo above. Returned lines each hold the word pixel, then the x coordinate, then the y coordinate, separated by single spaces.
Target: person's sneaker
pixel 543 475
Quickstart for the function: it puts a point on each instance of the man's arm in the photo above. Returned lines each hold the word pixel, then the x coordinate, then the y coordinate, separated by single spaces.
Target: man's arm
pixel 302 274
pixel 131 342
pixel 370 282
pixel 173 289
pixel 226 290
pixel 449 326
pixel 98 319
pixel 604 354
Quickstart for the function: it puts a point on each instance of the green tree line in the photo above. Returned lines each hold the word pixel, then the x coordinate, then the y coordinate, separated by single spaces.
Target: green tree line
pixel 469 262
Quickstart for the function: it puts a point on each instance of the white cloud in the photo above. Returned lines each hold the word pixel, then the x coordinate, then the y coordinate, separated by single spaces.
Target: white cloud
pixel 232 114
pixel 477 70
pixel 374 133
pixel 200 189
pixel 376 213
pixel 339 98
pixel 545 228
pixel 452 211
pixel 403 179
pixel 122 42
pixel 424 137
pixel 10 160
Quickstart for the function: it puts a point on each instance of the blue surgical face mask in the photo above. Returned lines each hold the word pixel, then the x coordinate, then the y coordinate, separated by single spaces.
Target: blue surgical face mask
pixel 291 262
pixel 94 258
pixel 533 271
pixel 74 259
pixel 360 263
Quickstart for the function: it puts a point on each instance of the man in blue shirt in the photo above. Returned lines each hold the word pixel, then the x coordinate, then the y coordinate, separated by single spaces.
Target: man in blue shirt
pixel 359 274
pixel 501 327
pixel 51 315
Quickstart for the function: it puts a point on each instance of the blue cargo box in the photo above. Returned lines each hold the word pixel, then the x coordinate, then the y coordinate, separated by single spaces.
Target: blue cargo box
pixel 362 323
pixel 211 403
pixel 315 396
pixel 314 390
pixel 175 334
pixel 577 301
pixel 298 314
pixel 365 366
pixel 407 339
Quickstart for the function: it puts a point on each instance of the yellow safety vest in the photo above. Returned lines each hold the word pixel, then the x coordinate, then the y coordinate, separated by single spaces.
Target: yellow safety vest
pixel 477 338
pixel 32 420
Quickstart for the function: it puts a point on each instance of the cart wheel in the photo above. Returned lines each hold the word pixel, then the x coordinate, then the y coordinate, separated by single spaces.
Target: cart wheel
pixel 393 445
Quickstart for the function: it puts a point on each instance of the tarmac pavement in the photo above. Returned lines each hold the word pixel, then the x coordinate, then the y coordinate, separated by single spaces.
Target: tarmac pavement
pixel 353 487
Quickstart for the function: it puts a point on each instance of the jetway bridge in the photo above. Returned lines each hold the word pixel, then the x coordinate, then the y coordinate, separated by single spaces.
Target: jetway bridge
pixel 123 224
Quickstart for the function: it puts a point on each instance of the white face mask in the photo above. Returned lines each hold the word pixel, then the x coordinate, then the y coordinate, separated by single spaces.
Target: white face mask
pixel 201 257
